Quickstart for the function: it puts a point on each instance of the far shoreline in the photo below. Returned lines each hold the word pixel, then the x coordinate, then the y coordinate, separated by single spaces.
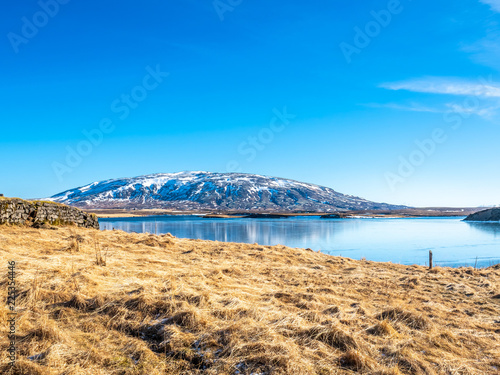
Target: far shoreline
pixel 219 214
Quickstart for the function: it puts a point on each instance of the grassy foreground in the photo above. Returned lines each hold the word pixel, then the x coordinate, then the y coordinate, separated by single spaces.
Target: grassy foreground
pixel 162 305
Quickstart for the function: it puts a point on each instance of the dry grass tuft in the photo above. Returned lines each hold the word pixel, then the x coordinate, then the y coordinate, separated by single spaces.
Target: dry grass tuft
pixel 331 335
pixel 24 367
pixel 408 318
pixel 129 304
pixel 156 241
pixel 356 361
pixel 389 371
pixel 383 328
pixel 46 332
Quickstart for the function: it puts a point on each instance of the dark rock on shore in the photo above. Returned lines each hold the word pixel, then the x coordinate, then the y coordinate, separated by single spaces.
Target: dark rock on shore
pixel 334 216
pixel 492 214
pixel 266 216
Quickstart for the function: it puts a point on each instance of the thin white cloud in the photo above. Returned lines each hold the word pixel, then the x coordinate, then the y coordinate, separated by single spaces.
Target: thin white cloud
pixel 412 107
pixel 448 86
pixel 486 51
pixel 488 112
pixel 494 4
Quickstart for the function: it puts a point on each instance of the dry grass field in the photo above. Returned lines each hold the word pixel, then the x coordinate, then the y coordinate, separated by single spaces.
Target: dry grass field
pixel 93 302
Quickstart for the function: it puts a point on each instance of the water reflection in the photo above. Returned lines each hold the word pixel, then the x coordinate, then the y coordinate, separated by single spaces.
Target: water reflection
pixel 492 227
pixel 263 231
pixel 405 241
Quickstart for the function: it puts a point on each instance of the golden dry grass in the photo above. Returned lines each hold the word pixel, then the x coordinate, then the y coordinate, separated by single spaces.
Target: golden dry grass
pixel 162 305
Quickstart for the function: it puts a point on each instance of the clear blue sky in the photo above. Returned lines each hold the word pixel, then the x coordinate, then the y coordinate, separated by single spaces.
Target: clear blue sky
pixel 392 101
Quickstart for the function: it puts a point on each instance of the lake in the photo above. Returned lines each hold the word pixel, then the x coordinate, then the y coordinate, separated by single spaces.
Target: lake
pixel 406 241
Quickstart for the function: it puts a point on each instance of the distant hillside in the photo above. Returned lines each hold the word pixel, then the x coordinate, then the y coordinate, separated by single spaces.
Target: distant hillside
pixel 213 191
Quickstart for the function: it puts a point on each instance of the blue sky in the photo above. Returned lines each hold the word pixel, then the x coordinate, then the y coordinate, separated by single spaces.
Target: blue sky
pixel 394 101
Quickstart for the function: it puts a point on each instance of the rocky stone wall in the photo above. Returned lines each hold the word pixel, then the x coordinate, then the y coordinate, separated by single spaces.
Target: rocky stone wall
pixel 18 211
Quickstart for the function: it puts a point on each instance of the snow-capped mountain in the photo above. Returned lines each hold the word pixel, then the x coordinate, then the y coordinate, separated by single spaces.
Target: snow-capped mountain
pixel 213 192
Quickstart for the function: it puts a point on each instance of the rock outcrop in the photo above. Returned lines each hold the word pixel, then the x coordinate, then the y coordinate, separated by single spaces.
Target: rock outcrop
pixel 493 214
pixel 21 212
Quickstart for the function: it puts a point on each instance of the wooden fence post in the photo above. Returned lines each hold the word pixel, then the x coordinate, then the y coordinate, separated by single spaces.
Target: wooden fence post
pixel 430 259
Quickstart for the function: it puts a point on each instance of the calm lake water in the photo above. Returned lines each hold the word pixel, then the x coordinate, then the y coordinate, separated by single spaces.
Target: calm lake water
pixel 406 241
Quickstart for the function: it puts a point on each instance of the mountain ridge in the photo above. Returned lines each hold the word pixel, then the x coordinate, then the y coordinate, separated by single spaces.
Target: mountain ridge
pixel 208 191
